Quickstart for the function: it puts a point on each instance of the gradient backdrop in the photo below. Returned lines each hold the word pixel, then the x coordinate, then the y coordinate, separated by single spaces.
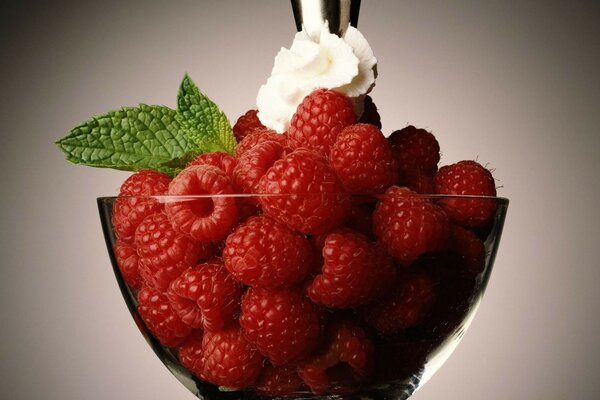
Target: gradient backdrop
pixel 514 84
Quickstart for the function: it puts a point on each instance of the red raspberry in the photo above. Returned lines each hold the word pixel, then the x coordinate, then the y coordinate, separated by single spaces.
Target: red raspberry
pixel 469 247
pixel 279 381
pixel 263 252
pixel 363 159
pixel 409 224
pixel 312 198
pixel 204 219
pixel 219 159
pixel 353 273
pixel 160 317
pixel 348 344
pixel 128 262
pixel 319 119
pixel 407 306
pixel 223 358
pixel 245 124
pixel 206 296
pixel 145 183
pixel 370 114
pixel 282 324
pixel 466 178
pixel 258 136
pixel 416 150
pixel 165 253
pixel 254 163
pixel 128 212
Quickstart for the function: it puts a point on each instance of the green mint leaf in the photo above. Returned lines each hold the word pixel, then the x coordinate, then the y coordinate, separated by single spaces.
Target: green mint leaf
pixel 131 139
pixel 202 121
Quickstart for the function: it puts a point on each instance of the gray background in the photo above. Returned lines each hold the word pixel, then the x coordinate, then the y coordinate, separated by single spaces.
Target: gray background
pixel 511 83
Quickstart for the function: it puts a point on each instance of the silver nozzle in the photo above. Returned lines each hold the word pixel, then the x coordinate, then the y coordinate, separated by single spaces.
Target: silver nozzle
pixel 312 14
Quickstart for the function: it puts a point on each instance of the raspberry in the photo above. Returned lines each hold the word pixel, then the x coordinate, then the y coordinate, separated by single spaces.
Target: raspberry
pixel 128 262
pixel 245 124
pixel 203 219
pixel 353 273
pixel 348 344
pixel 319 119
pixel 282 324
pixel 406 307
pixel 469 247
pixel 165 253
pixel 128 212
pixel 219 159
pixel 145 183
pixel 363 159
pixel 223 358
pixel 312 198
pixel 206 296
pixel 258 136
pixel 279 381
pixel 466 178
pixel 409 225
pixel 254 163
pixel 160 317
pixel 263 252
pixel 370 114
pixel 416 150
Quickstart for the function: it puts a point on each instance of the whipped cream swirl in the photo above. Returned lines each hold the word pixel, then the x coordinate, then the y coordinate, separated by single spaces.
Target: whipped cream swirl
pixel 346 65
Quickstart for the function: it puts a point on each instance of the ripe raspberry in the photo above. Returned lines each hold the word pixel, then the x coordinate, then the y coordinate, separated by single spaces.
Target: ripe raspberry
pixel 279 381
pixel 406 307
pixel 348 344
pixel 370 114
pixel 128 212
pixel 466 178
pixel 416 150
pixel 165 253
pixel 263 252
pixel 245 124
pixel 312 198
pixel 145 183
pixel 409 225
pixel 219 159
pixel 319 119
pixel 128 262
pixel 469 247
pixel 206 296
pixel 160 317
pixel 258 136
pixel 363 159
pixel 203 219
pixel 254 163
pixel 223 358
pixel 353 273
pixel 282 324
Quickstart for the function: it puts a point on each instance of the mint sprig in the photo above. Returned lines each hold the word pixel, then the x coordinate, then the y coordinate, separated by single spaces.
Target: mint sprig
pixel 202 120
pixel 151 137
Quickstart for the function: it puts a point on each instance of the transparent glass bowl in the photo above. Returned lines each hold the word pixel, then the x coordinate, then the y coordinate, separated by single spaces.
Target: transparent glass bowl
pixel 402 360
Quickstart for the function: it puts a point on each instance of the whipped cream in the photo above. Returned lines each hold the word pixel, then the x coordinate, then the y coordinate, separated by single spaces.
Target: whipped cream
pixel 316 60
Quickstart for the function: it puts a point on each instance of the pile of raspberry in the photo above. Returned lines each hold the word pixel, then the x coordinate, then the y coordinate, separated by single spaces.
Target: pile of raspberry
pixel 337 270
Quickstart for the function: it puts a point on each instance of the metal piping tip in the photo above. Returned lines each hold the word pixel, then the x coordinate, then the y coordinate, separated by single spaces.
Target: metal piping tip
pixel 312 14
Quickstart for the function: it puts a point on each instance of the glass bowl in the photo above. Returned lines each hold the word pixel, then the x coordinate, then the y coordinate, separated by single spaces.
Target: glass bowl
pixel 384 344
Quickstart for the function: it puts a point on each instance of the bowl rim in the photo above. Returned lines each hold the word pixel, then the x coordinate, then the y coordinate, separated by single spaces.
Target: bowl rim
pixel 169 198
